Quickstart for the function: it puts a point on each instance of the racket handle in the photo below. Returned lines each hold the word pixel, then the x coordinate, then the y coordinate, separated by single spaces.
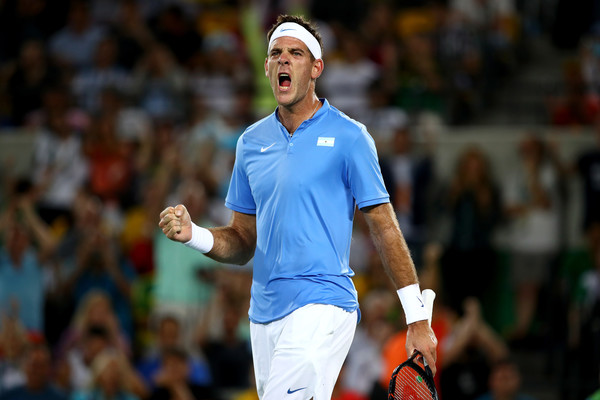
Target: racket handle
pixel 428 298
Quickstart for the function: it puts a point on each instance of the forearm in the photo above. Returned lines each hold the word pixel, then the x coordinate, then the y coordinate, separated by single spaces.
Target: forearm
pixel 40 231
pixel 490 342
pixel 120 281
pixel 458 341
pixel 390 244
pixel 137 385
pixel 231 245
pixel 113 268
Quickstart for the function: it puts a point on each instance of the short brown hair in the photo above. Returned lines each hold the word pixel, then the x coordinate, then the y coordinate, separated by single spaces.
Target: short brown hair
pixel 300 20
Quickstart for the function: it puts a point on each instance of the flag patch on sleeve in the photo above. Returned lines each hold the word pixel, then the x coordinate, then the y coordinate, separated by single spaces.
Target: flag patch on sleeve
pixel 326 141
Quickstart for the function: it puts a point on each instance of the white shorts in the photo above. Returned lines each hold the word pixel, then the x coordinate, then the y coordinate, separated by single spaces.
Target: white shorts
pixel 300 356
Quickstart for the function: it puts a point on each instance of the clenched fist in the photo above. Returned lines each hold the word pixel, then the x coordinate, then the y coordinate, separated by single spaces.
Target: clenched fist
pixel 176 223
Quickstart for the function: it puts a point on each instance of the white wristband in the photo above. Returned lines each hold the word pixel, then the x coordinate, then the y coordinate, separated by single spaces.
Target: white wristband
pixel 202 239
pixel 412 303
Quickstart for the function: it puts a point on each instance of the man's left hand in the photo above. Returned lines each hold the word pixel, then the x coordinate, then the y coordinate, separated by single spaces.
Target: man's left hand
pixel 420 337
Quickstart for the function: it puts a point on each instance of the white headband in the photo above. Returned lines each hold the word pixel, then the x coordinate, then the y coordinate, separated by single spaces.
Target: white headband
pixel 299 32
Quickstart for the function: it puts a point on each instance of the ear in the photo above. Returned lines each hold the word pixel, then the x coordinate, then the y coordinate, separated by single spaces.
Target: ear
pixel 317 70
pixel 267 67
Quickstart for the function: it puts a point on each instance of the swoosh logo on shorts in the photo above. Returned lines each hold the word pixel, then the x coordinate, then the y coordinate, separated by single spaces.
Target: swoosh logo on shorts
pixel 290 391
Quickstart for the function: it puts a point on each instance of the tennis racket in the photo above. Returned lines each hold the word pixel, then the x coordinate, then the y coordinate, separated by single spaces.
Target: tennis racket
pixel 413 380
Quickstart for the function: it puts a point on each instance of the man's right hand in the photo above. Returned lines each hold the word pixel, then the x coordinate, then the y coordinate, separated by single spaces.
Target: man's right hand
pixel 176 223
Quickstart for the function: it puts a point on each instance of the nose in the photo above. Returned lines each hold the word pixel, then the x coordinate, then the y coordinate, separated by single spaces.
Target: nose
pixel 283 59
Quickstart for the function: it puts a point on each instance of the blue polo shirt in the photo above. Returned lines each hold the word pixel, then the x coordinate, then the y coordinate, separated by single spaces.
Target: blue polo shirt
pixel 304 190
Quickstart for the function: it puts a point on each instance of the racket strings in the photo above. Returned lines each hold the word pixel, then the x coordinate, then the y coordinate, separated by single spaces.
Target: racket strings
pixel 411 386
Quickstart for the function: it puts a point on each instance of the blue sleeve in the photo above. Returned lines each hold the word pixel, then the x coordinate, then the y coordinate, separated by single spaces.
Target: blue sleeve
pixel 239 196
pixel 364 173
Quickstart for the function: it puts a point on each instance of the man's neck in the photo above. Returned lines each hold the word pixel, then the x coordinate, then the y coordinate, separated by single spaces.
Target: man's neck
pixel 292 117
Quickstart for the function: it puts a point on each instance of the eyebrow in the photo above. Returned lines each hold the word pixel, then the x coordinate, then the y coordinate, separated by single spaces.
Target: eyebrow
pixel 290 49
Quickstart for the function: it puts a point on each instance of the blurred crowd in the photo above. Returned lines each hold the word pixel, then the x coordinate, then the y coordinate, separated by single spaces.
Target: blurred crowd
pixel 135 105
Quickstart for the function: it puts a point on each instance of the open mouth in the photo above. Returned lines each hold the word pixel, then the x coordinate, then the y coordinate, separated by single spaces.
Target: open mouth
pixel 285 81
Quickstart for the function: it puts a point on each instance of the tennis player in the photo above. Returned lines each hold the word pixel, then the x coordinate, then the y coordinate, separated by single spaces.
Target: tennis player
pixel 298 176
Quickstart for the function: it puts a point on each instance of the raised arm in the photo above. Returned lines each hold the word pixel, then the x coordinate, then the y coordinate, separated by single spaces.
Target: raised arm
pixel 232 244
pixel 396 259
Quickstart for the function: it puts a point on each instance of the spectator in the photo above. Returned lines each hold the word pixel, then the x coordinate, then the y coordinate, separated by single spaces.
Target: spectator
pixel 172 380
pixel 218 76
pixel 133 125
pixel 33 74
pixel 74 46
pixel 87 85
pixel 202 147
pixel 577 106
pixel 94 310
pixel 21 264
pixel 110 163
pixel 100 266
pixel 38 386
pixel 463 64
pixel 137 240
pixel 587 166
pixel 364 364
pixel 230 356
pixel 160 84
pixel 584 320
pixel 131 32
pixel 409 176
pixel 483 14
pixel 383 119
pixel 112 378
pixel 59 169
pixel 590 61
pixel 505 382
pixel 87 214
pixel 473 202
pixel 57 100
pixel 377 29
pixel 139 226
pixel 168 337
pixel 533 204
pixel 420 85
pixel 346 80
pixel 468 353
pixel 79 360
